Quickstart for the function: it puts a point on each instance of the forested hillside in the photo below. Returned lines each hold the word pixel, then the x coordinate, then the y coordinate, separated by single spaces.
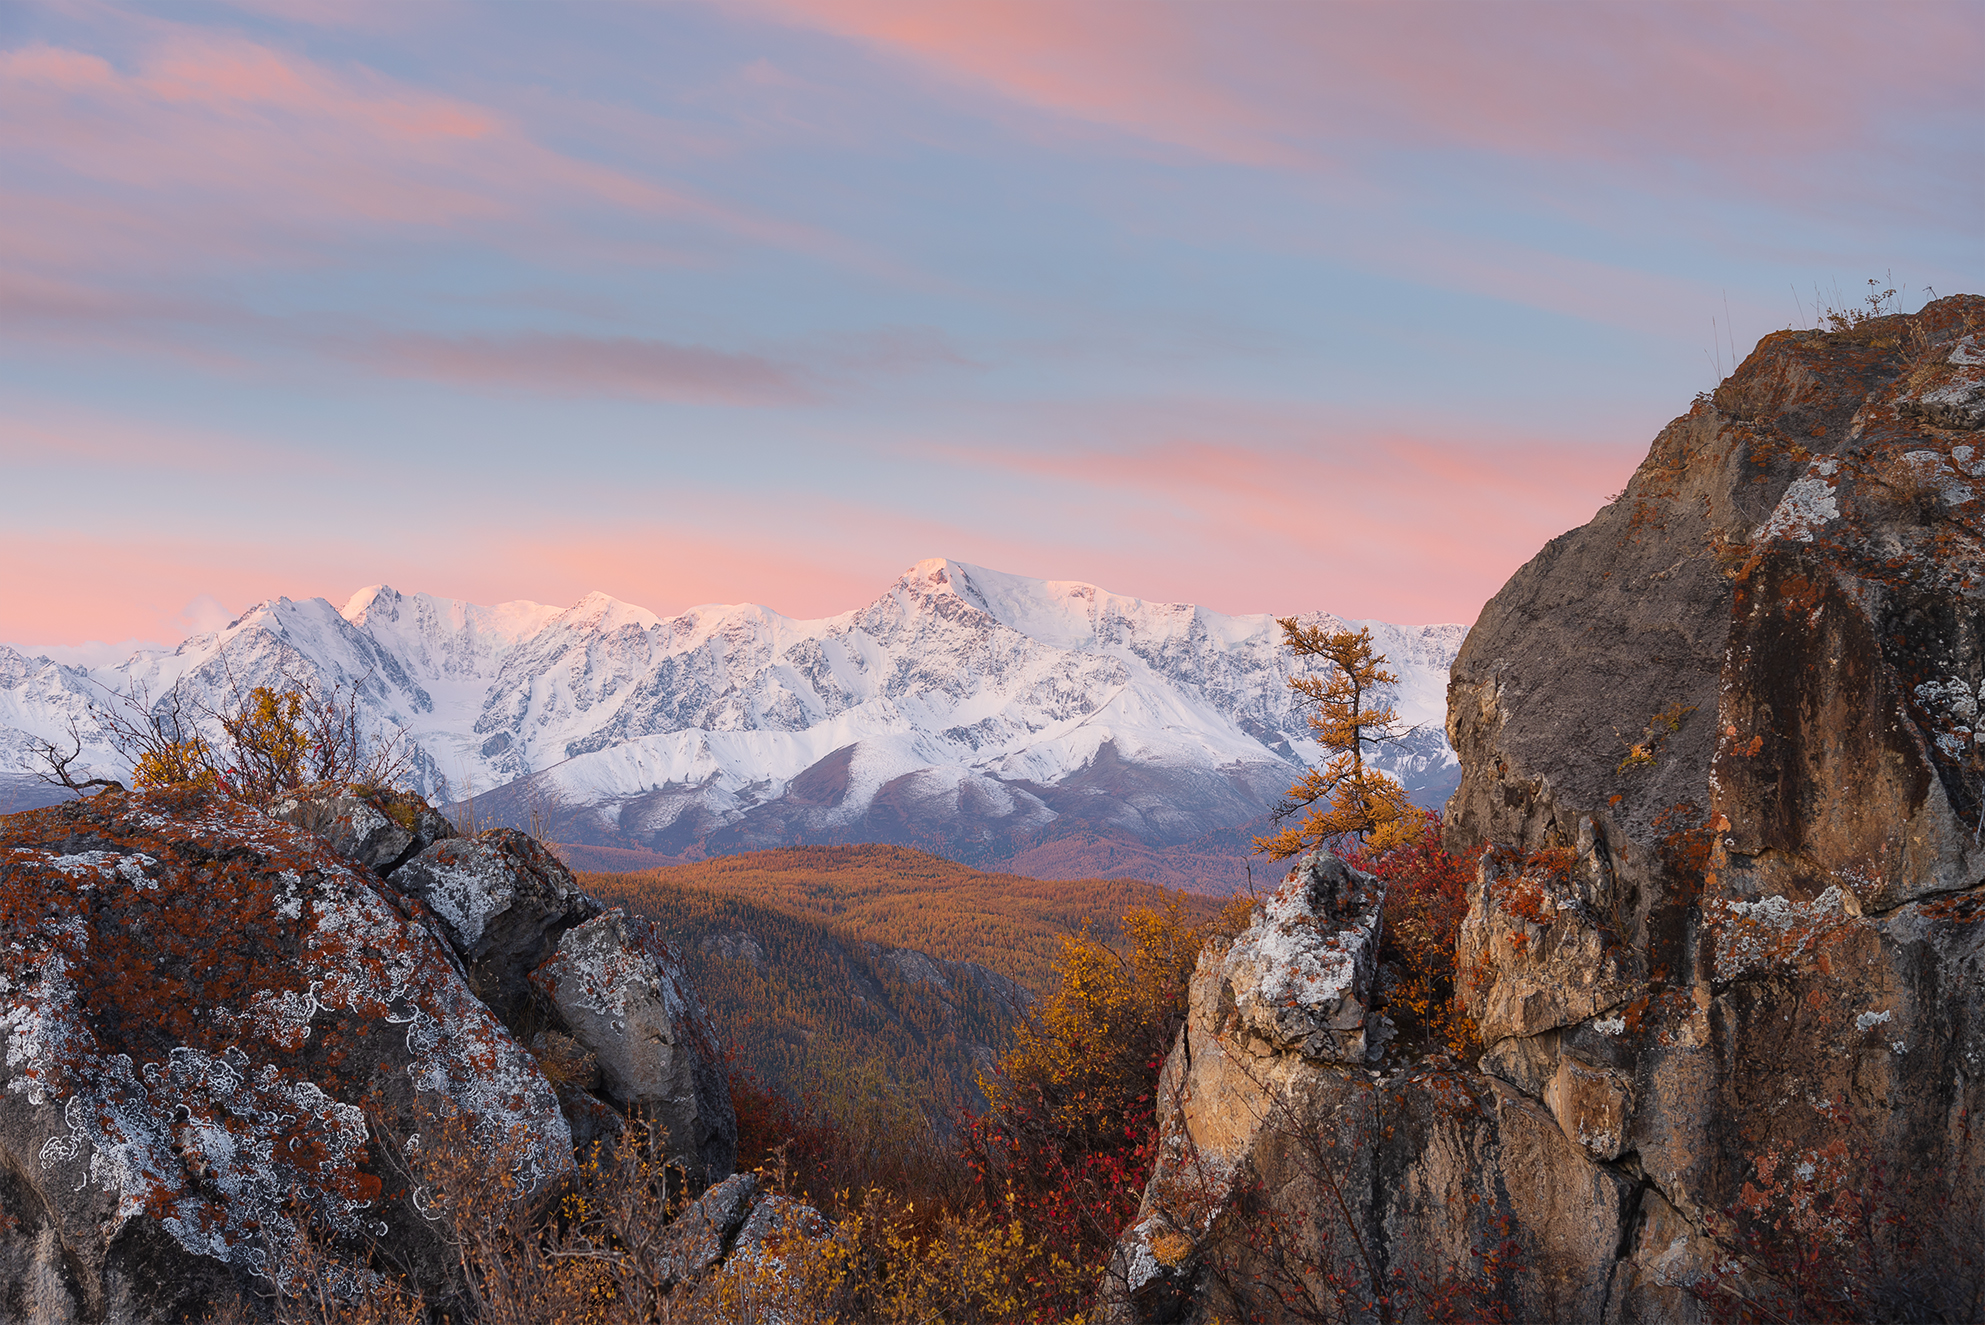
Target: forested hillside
pixel 873 977
pixel 808 1009
pixel 903 898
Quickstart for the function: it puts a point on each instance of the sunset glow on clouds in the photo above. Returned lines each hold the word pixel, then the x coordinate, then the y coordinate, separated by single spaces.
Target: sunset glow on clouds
pixel 1269 307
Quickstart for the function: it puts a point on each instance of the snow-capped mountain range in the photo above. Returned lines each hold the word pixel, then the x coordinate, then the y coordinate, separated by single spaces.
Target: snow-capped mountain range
pixel 964 710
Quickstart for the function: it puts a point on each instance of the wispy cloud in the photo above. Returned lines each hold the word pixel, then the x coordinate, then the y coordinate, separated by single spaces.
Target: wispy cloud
pixel 588 365
pixel 246 153
pixel 232 339
pixel 1300 86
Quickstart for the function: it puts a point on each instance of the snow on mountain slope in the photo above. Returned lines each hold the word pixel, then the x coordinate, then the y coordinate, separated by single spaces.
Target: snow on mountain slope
pixel 964 709
pixel 452 651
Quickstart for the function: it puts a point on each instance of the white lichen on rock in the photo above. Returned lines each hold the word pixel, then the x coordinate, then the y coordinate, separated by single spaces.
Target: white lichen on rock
pixel 222 1137
pixel 467 882
pixel 1807 504
pixel 1754 937
pixel 1301 974
pixel 108 865
pixel 1933 469
pixel 602 967
pixel 1953 708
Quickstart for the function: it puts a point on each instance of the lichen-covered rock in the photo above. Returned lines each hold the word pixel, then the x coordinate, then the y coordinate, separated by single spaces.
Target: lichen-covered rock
pixel 503 900
pixel 1352 1184
pixel 1543 950
pixel 607 1013
pixel 1722 770
pixel 1155 1269
pixel 369 826
pixel 618 986
pixel 1268 1011
pixel 701 1235
pixel 1300 977
pixel 205 1017
pixel 775 1223
pixel 1750 691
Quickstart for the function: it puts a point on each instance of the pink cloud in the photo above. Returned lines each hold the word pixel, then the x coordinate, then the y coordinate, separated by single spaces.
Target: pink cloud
pixel 1122 67
pixel 1305 85
pixel 246 153
pixel 224 114
pixel 241 78
pixel 645 368
pixel 1390 525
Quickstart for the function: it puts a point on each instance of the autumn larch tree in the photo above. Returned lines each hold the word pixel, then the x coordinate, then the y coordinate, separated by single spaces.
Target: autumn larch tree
pixel 1343 802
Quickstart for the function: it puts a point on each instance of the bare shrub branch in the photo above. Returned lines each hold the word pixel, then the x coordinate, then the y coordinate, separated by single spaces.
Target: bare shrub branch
pixel 50 763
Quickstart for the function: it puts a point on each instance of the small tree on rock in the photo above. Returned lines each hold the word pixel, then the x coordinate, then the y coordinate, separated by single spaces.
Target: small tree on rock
pixel 1343 802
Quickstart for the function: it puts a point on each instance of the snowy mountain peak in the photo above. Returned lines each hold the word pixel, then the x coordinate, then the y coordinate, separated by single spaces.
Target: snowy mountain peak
pixel 383 598
pixel 1073 614
pixel 381 605
pixel 935 578
pixel 603 611
pixel 964 708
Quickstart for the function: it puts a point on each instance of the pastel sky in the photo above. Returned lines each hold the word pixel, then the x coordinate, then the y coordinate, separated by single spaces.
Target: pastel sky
pixel 1264 306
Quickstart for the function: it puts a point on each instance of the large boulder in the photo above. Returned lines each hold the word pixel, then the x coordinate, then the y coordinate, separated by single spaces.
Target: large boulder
pixel 1722 780
pixel 620 989
pixel 213 1031
pixel 503 900
pixel 600 999
pixel 1299 978
pixel 701 1235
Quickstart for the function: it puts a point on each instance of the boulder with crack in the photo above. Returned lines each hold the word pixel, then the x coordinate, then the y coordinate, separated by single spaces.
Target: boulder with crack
pixel 371 826
pixel 620 988
pixel 503 900
pixel 701 1235
pixel 508 907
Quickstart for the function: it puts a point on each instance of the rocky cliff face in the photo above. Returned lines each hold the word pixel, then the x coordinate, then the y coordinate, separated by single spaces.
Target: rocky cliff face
pixel 222 1030
pixel 1721 772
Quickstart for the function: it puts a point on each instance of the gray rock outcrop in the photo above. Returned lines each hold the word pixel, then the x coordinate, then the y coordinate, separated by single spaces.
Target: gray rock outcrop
pixel 614 982
pixel 208 1020
pixel 1299 979
pixel 503 900
pixel 702 1234
pixel 368 826
pixel 1725 948
pixel 218 1027
pixel 538 950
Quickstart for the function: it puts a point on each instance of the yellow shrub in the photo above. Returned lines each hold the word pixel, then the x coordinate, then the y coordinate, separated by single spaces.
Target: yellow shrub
pixel 175 764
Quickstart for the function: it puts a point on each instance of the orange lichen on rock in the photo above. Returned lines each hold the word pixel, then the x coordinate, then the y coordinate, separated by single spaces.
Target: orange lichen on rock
pixel 199 1005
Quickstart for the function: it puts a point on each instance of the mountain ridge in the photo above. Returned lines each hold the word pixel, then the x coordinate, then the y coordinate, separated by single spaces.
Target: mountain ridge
pixel 964 710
